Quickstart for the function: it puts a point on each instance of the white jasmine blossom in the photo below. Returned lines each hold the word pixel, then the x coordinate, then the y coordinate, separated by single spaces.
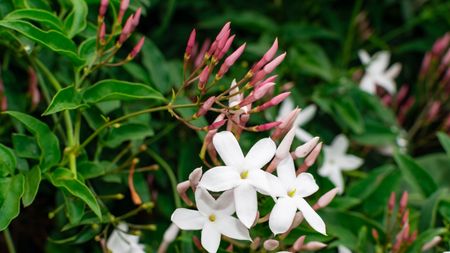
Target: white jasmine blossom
pixel 242 175
pixel 121 242
pixel 337 160
pixel 343 249
pixel 291 191
pixel 377 72
pixel 305 115
pixel 214 218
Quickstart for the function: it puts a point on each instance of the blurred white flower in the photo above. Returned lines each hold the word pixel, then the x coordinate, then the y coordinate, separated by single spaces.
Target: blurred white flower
pixel 343 249
pixel 337 160
pixel 121 242
pixel 377 72
pixel 305 115
pixel 291 191
pixel 213 218
pixel 241 174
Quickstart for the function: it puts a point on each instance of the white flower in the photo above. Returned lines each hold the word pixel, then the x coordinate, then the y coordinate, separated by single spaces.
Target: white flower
pixel 343 249
pixel 121 242
pixel 336 161
pixel 377 72
pixel 292 190
pixel 305 115
pixel 213 218
pixel 242 174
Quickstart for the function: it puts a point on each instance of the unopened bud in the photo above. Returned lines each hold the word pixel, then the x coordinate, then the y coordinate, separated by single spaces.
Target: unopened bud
pixel 226 47
pixel 103 8
pixel 402 93
pixel 203 78
pixel 136 17
pixel 217 125
pixel 137 48
pixel 194 178
pixel 171 233
pixel 181 189
pixel 403 202
pixel 303 150
pixel 435 241
pixel 311 158
pixel 274 63
pixel 267 56
pixel 230 60
pixel 190 44
pixel 126 31
pixel 262 90
pixel 273 102
pixel 123 7
pixel 441 44
pixel 425 65
pixel 285 145
pixel 314 246
pixel 434 110
pixel 205 107
pixel 266 126
pixel 405 217
pixel 326 198
pixel 375 234
pixel 271 244
pixel 298 244
pixel 255 244
pixel 101 34
pixel 391 203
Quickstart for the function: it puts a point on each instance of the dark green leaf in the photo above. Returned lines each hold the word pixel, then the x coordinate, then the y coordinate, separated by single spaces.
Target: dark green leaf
pixel 119 90
pixel 32 181
pixel 74 208
pixel 11 190
pixel 127 132
pixel 7 161
pixel 430 209
pixel 26 146
pixel 76 21
pixel 365 187
pixel 415 175
pixel 444 139
pixel 47 141
pixel 64 178
pixel 66 99
pixel 155 64
pixel 347 113
pixel 44 17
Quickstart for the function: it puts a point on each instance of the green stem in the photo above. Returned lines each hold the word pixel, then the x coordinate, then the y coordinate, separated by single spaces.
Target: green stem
pixel 170 173
pixel 48 74
pixel 9 241
pixel 71 143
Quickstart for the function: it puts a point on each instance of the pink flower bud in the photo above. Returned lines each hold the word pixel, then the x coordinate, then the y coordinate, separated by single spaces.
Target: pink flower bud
pixel 230 60
pixel 258 77
pixel 171 233
pixel 445 61
pixel 136 17
pixel 181 189
pixel 127 30
pixel 441 44
pixel 271 244
pixel 226 47
pixel 190 44
pixel 285 145
pixel 375 234
pixel 273 102
pixel 103 8
pixel 386 100
pixel 203 78
pixel 266 126
pixel 433 242
pixel 311 158
pixel 221 42
pixel 255 244
pixel 274 63
pixel 425 65
pixel 403 202
pixel 262 90
pixel 314 245
pixel 194 178
pixel 405 217
pixel 101 34
pixel 137 48
pixel 123 7
pixel 298 244
pixel 201 55
pixel 267 56
pixel 402 93
pixel 434 110
pixel 305 149
pixel 223 31
pixel 327 198
pixel 212 48
pixel 391 203
pixel 205 107
pixel 217 125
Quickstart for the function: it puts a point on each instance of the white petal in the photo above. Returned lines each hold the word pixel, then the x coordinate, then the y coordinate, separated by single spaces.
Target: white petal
pixel 306 115
pixel 379 62
pixel 302 135
pixel 210 237
pixel 286 172
pixel 220 178
pixel 393 71
pixel 311 216
pixel 246 204
pixel 363 56
pixel 233 228
pixel 286 107
pixel 285 144
pixel 340 144
pixel 343 249
pixel 305 185
pixel 336 177
pixel 204 201
pixel 282 215
pixel 136 248
pixel 116 242
pixel 225 203
pixel 258 179
pixel 260 154
pixel 349 162
pixel 276 186
pixel 387 83
pixel 188 219
pixel 236 99
pixel 327 168
pixel 228 148
pixel 367 84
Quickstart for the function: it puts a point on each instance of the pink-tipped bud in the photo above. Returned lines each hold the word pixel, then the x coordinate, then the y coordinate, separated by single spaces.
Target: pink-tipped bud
pixel 303 150
pixel 413 236
pixel 433 242
pixel 223 31
pixel 434 110
pixel 181 189
pixel 402 93
pixel 217 125
pixel 285 145
pixel 171 233
pixel 271 244
pixel 267 56
pixel 137 17
pixel 375 234
pixel 102 33
pixel 314 246
pixel 137 48
pixel 194 178
pixel 311 158
pixel 262 90
pixel 203 78
pixel 221 43
pixel 190 44
pixel 298 244
pixel 123 7
pixel 405 217
pixel 391 203
pixel 127 30
pixel 425 65
pixel 230 60
pixel 201 54
pixel 205 107
pixel 273 102
pixel 441 44
pixel 266 126
pixel 403 202
pixel 445 61
pixel 103 8
pixel 327 198
pixel 255 244
pixel 226 47
pixel 274 63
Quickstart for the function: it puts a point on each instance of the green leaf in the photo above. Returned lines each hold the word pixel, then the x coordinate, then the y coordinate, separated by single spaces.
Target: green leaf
pixel 64 178
pixel 415 175
pixel 26 146
pixel 107 90
pixel 363 188
pixel 424 238
pixel 32 181
pixel 66 99
pixel 429 209
pixel 76 21
pixel 11 190
pixel 347 113
pixel 74 208
pixel 7 161
pixel 444 139
pixel 37 15
pixel 53 40
pixel 87 50
pixel 47 141
pixel 127 132
pixel 155 64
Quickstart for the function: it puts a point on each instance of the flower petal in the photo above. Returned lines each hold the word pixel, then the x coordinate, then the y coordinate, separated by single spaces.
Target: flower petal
pixel 306 115
pixel 210 237
pixel 225 203
pixel 233 228
pixel 259 180
pixel 220 178
pixel 302 134
pixel 364 56
pixel 349 162
pixel 306 185
pixel 188 219
pixel 282 215
pixel 286 107
pixel 387 83
pixel 276 186
pixel 228 148
pixel 204 201
pixel 260 154
pixel 311 216
pixel 367 84
pixel 286 172
pixel 246 203
pixel 379 62
pixel 339 145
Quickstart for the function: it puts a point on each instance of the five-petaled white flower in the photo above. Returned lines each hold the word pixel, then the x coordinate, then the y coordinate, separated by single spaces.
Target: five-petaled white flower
pixel 336 161
pixel 121 242
pixel 377 72
pixel 241 174
pixel 291 191
pixel 213 218
pixel 305 115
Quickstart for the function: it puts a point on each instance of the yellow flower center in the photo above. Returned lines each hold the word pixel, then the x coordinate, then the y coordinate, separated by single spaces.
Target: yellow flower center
pixel 291 193
pixel 212 217
pixel 244 174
